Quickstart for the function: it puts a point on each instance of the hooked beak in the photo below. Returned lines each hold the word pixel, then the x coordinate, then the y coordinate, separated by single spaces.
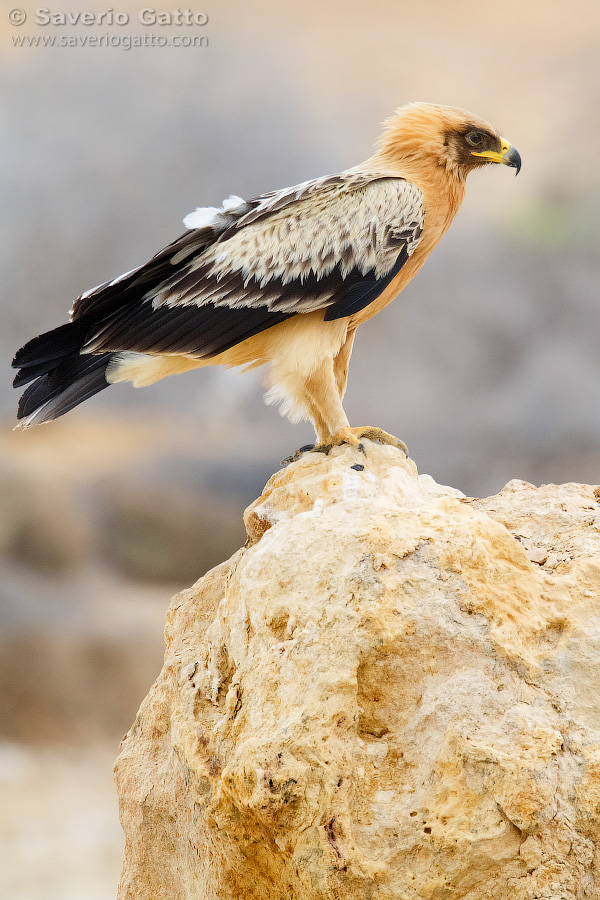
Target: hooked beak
pixel 507 155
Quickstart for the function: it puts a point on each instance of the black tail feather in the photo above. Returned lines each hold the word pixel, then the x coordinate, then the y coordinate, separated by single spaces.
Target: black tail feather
pixel 54 393
pixel 28 373
pixel 61 376
pixel 53 345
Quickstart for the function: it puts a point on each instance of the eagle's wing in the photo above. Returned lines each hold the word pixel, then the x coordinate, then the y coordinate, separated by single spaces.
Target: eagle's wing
pixel 333 243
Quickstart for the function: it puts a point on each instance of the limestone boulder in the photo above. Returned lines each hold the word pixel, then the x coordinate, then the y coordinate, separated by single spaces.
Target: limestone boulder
pixel 391 692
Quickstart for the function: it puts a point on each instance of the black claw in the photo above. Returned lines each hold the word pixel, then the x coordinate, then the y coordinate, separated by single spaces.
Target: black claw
pixel 296 456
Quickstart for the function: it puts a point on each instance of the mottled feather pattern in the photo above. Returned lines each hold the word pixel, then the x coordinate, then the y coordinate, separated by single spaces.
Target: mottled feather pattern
pixel 351 222
pixel 333 242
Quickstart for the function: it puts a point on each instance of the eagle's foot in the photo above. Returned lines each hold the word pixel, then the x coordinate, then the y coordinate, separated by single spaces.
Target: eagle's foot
pixel 372 434
pixel 353 437
pixel 350 436
pixel 343 437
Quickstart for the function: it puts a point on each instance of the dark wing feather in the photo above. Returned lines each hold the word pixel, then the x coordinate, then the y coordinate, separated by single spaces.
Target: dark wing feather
pixel 189 330
pixel 106 298
pixel 364 291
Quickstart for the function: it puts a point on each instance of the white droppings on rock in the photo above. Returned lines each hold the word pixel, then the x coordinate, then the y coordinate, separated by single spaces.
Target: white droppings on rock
pixel 318 506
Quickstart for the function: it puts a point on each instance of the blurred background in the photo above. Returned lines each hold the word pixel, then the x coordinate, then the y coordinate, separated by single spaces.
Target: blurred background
pixel 487 367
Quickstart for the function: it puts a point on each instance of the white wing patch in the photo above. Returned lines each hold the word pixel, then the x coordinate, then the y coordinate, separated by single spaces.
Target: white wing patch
pixel 212 216
pixel 233 203
pixel 203 217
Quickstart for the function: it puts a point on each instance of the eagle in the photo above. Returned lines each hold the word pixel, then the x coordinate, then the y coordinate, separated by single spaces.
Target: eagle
pixel 285 278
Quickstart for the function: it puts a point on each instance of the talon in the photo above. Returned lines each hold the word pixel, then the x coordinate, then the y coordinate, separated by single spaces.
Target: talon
pixel 322 448
pixel 294 457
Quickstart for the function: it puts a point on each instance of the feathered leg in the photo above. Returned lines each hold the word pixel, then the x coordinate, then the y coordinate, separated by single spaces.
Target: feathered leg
pixel 322 397
pixel 319 392
pixel 342 361
pixel 340 368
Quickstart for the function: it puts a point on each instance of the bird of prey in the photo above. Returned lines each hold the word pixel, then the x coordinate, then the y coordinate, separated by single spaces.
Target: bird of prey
pixel 285 278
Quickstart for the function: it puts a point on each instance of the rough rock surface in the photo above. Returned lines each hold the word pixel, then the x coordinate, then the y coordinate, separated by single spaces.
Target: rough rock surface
pixel 392 691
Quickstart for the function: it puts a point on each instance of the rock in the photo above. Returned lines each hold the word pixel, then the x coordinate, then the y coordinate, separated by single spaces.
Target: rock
pixel 380 696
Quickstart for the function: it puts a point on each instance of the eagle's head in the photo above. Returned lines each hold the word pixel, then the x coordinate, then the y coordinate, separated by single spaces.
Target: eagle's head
pixel 425 134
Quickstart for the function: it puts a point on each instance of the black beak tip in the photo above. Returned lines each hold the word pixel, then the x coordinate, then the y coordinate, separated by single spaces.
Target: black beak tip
pixel 514 160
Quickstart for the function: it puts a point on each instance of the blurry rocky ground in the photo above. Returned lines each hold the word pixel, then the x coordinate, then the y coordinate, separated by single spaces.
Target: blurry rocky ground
pixel 488 367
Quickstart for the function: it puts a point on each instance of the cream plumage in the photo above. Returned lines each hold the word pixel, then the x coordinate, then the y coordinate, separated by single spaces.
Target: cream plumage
pixel 284 278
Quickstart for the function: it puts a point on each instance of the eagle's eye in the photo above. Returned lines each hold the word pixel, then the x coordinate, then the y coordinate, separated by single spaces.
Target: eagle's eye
pixel 474 138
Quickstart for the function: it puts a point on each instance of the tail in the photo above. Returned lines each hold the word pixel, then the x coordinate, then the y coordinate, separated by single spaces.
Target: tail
pixel 61 376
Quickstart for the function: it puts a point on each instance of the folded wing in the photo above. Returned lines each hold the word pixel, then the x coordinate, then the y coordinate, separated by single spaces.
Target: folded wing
pixel 333 243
